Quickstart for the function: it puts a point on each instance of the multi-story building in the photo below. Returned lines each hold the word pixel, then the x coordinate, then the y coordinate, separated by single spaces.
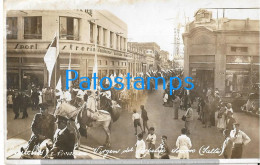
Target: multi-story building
pixel 164 57
pixel 29 34
pixel 222 53
pixel 151 52
pixel 137 64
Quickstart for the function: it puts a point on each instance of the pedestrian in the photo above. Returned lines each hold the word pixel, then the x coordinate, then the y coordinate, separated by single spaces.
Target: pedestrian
pixel 67 96
pixel 230 121
pixel 164 150
pixel 16 104
pixel 229 108
pixel 206 112
pixel 212 107
pixel 151 139
pixel 227 146
pixel 189 118
pixel 176 106
pixel 40 96
pixel 136 120
pixel 24 102
pixel 140 147
pixel 201 105
pixel 48 95
pixel 183 143
pixel 64 140
pixel 221 121
pixel 165 98
pixel 144 118
pixel 35 99
pixel 42 128
pixel 239 139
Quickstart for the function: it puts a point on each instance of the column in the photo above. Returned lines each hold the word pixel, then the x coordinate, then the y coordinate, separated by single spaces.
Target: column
pixel 220 64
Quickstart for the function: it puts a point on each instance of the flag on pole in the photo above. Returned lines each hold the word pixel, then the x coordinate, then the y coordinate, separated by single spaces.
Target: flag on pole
pixel 52 62
pixel 95 67
pixel 69 68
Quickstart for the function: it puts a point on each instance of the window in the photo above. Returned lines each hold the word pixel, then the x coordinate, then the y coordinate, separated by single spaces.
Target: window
pixel 111 39
pixel 104 37
pixel 11 27
pixel 117 38
pixel 98 34
pixel 33 28
pixel 91 32
pixel 239 49
pixel 69 28
pixel 121 39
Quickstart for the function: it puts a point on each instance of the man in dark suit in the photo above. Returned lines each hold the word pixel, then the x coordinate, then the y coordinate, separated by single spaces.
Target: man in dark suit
pixel 42 128
pixel 16 104
pixel 64 140
pixel 144 118
pixel 24 102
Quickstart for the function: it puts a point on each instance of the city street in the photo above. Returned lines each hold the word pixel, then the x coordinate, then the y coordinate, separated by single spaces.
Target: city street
pixel 161 118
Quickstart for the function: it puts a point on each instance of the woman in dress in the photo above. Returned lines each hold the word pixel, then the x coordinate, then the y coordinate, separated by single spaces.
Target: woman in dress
pixel 221 124
pixel 183 143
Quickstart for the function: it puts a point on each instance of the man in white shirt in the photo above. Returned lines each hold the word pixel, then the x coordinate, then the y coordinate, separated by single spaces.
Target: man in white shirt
pixel 151 139
pixel 136 120
pixel 239 139
pixel 67 96
pixel 140 147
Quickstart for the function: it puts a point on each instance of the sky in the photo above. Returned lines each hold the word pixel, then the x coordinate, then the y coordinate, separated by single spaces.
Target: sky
pixel 149 20
pixel 154 21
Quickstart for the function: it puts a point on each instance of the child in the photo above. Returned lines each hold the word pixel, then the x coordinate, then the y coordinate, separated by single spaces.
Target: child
pixel 151 138
pixel 136 120
pixel 140 147
pixel 164 149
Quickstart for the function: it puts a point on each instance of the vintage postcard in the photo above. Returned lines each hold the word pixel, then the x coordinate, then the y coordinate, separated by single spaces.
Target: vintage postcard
pixel 120 81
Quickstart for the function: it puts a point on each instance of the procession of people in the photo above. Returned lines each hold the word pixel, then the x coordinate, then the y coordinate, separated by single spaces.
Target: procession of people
pixel 212 112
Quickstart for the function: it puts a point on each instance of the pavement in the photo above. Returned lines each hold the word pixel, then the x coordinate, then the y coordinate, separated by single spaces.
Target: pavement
pixel 206 142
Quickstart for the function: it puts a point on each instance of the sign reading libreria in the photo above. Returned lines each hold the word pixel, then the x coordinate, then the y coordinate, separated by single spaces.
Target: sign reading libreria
pixel 118 80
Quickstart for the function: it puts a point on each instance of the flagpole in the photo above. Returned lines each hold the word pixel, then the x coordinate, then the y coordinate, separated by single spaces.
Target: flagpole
pixel 55 77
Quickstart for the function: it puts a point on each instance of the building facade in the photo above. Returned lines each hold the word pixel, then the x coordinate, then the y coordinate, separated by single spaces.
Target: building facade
pixel 164 57
pixel 29 34
pixel 151 54
pixel 222 53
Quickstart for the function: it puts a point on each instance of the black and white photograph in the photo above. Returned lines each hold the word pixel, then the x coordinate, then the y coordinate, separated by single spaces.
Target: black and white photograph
pixel 138 80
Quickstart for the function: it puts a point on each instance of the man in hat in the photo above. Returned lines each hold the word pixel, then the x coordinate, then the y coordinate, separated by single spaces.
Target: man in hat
pixel 91 105
pixel 239 139
pixel 63 140
pixel 42 128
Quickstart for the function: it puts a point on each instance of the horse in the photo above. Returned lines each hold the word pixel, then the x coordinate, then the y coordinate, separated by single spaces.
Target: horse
pixel 103 119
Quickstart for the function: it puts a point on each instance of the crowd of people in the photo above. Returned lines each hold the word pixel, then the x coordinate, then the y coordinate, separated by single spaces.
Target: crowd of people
pixel 183 142
pixel 211 109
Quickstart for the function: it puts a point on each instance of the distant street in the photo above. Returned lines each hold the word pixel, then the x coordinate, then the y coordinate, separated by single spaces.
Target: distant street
pixel 161 118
